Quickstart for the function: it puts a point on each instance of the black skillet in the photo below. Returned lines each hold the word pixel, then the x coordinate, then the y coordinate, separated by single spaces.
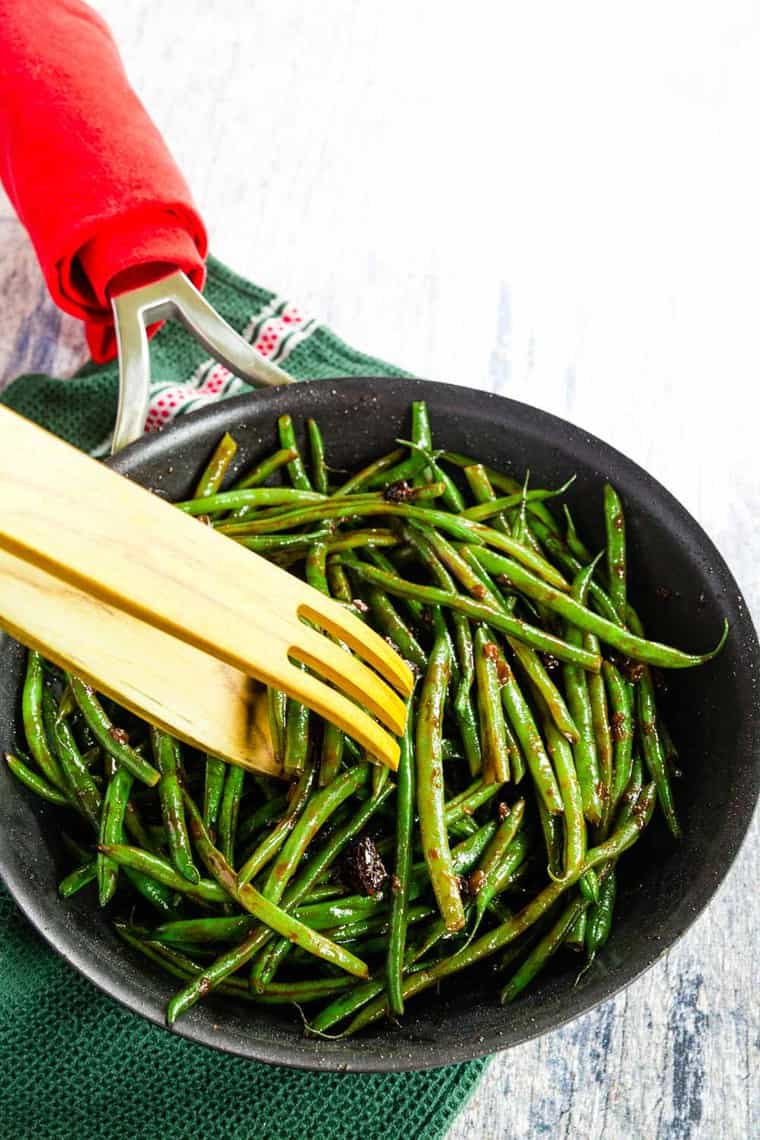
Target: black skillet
pixel 713 712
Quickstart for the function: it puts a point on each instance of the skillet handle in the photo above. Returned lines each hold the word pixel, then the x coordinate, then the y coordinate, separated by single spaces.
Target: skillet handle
pixel 174 296
pixel 85 167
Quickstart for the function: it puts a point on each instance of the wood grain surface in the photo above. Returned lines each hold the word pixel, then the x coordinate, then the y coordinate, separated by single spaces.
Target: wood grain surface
pixel 554 201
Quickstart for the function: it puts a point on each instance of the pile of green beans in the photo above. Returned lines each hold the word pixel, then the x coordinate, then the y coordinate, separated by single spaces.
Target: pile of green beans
pixel 534 753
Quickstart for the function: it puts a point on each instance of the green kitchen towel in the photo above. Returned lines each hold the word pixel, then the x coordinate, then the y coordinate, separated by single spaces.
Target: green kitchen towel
pixel 76 1066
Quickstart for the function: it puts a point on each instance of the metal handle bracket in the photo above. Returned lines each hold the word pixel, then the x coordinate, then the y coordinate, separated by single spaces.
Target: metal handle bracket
pixel 174 296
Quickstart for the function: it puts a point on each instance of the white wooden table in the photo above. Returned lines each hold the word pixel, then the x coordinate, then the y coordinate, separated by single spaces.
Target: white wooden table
pixel 559 202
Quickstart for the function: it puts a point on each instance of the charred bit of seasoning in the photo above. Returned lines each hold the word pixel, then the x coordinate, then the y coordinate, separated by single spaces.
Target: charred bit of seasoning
pixel 361 605
pixel 479 591
pixel 475 882
pixel 618 522
pixel 205 519
pixel 632 670
pixel 118 734
pixel 502 811
pixel 395 884
pixel 618 726
pixel 363 869
pixel 550 662
pixel 398 492
pixel 503 671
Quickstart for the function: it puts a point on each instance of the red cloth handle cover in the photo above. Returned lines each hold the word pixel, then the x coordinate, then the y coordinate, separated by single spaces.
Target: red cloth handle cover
pixel 85 167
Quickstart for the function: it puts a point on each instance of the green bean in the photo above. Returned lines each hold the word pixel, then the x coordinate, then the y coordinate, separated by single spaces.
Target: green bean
pixel 76 770
pixel 357 932
pixel 574 826
pixel 479 611
pixel 589 886
pixel 286 545
pixel 632 792
pixel 492 725
pixel 36 783
pixel 263 909
pixel 277 708
pixel 575 939
pixel 507 502
pixel 429 780
pixel 402 866
pixel 318 466
pixel 213 787
pixel 261 472
pixel 548 946
pixel 315 814
pixel 422 441
pixel 654 755
pixel 469 801
pixel 250 497
pixel 302 884
pixel 271 844
pixel 418 537
pixel 230 810
pixel 651 741
pixel 416 610
pixel 213 475
pixel 573 541
pixel 111 739
pixel 484 879
pixel 296 469
pixel 111 827
pixel 296 736
pixel 279 993
pixel 258 819
pixel 483 492
pixel 367 474
pixel 390 622
pixel 160 897
pixel 333 742
pixel 521 718
pixel 619 693
pixel 77 879
pixel 34 728
pixel 204 930
pixel 258 475
pixel 600 916
pixel 650 652
pixel 166 754
pixel 551 828
pixel 503 482
pixel 526 657
pixel 462 529
pixel 360 995
pixel 316 566
pixel 494 940
pixel 516 760
pixel 600 719
pixel 422 435
pixel 407 469
pixel 579 702
pixel 614 521
pixel 466 854
pixel 159 869
pixel 353 908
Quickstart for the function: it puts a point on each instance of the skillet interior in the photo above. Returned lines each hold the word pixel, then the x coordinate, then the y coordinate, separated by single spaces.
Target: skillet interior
pixel 712 712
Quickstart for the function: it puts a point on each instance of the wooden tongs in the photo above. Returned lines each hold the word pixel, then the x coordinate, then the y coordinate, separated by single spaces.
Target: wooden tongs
pixel 171 619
